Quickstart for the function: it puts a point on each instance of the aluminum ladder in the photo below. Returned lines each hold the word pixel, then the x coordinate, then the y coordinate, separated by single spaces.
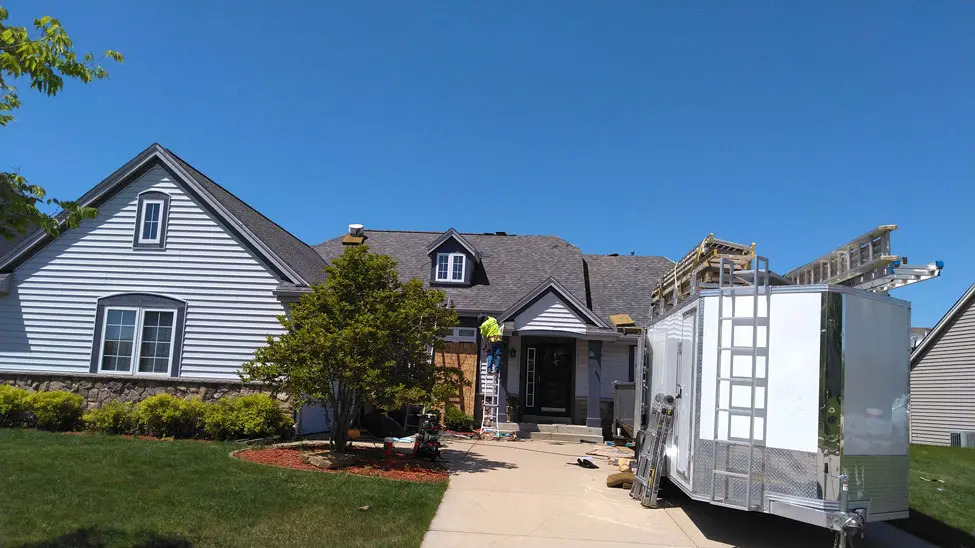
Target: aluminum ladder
pixel 646 480
pixel 490 393
pixel 741 388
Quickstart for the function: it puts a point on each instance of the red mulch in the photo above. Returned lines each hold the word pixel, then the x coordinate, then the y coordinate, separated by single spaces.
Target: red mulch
pixel 370 462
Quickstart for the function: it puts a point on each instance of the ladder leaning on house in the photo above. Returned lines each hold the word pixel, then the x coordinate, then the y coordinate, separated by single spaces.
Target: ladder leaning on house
pixel 490 393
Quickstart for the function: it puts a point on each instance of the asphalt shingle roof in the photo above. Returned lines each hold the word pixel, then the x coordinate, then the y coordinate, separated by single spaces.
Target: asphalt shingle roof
pixel 624 284
pixel 511 266
pixel 295 253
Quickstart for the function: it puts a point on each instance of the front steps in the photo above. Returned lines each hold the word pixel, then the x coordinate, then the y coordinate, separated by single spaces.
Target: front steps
pixel 554 432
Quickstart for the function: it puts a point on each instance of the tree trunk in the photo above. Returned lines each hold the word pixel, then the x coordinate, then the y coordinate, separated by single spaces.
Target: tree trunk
pixel 346 405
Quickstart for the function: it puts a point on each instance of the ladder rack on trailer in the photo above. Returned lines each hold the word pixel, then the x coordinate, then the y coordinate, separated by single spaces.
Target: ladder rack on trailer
pixel 698 268
pixel 867 263
pixel 646 480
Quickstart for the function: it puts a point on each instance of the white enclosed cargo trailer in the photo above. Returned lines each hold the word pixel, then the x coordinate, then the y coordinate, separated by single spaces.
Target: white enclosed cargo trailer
pixel 791 400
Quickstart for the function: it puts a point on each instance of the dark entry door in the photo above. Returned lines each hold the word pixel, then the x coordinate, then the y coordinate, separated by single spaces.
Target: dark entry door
pixel 548 378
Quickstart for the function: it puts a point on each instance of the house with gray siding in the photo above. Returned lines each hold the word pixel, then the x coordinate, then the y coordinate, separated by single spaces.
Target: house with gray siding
pixel 943 377
pixel 177 282
pixel 172 286
pixel 562 350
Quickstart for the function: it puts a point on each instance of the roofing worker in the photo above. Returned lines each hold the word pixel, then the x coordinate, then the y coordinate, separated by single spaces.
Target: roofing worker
pixel 491 334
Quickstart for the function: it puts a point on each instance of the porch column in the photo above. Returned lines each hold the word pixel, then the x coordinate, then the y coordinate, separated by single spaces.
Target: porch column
pixel 595 374
pixel 503 387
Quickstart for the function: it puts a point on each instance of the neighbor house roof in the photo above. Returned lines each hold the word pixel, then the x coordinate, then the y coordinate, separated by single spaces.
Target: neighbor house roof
pixel 943 325
pixel 284 252
pixel 510 267
pixel 623 284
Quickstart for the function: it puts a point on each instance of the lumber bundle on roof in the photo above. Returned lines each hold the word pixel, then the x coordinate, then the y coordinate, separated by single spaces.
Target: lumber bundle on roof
pixel 699 268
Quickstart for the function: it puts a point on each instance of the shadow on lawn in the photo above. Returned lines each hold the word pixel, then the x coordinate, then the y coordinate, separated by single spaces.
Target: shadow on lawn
pixel 94 537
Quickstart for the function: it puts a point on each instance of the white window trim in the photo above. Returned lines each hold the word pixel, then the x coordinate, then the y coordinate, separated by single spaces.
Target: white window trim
pixel 451 257
pixel 159 222
pixel 136 342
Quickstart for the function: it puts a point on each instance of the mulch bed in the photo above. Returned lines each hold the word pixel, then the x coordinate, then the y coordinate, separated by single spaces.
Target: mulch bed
pixel 369 462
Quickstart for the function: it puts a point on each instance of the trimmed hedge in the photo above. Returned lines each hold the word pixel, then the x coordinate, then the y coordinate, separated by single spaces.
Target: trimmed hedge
pixel 114 417
pixel 13 405
pixel 56 411
pixel 255 416
pixel 167 416
pixel 163 415
pixel 457 420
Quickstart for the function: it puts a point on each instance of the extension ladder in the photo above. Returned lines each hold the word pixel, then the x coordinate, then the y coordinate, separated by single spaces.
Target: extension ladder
pixel 490 391
pixel 646 481
pixel 741 388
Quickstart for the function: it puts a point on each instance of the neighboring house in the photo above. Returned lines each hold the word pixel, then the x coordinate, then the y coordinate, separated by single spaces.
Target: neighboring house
pixel 173 286
pixel 563 352
pixel 943 377
pixel 917 335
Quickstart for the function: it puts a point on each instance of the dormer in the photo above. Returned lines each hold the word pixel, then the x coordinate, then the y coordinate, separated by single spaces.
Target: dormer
pixel 452 259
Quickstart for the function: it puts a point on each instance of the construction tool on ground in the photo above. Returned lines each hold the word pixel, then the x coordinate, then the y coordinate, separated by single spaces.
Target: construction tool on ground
pixel 866 262
pixel 490 392
pixel 696 270
pixel 646 481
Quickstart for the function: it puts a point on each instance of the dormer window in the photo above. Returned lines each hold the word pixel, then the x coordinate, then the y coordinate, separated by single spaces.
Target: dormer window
pixel 451 267
pixel 150 223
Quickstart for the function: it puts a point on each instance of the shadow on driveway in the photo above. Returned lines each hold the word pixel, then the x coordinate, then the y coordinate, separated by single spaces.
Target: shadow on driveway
pixel 462 460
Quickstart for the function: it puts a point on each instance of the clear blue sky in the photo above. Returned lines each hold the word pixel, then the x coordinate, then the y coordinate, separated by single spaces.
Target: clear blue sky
pixel 639 126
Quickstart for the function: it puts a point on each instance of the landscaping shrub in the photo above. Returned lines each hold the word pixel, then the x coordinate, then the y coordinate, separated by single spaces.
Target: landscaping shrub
pixel 13 405
pixel 256 416
pixel 114 418
pixel 457 420
pixel 56 410
pixel 166 415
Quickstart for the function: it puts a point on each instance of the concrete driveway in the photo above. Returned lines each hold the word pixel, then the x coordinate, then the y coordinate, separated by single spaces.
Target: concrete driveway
pixel 527 493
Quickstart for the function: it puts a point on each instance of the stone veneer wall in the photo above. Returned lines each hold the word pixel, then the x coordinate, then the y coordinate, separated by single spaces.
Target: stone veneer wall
pixel 98 389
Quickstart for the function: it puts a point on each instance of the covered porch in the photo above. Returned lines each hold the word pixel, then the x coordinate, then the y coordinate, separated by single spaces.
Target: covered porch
pixel 560 362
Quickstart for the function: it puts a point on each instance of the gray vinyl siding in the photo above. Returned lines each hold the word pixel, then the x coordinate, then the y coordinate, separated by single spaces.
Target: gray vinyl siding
pixel 943 383
pixel 550 314
pixel 615 367
pixel 47 321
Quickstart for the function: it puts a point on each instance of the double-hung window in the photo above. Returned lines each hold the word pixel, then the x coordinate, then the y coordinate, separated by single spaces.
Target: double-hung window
pixel 138 341
pixel 138 334
pixel 150 223
pixel 451 267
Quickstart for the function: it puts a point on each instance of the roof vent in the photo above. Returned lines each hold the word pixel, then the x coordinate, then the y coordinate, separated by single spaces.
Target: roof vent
pixel 500 233
pixel 355 236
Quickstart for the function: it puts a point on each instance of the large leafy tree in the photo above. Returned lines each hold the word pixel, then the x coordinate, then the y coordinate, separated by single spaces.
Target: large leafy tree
pixel 361 337
pixel 44 60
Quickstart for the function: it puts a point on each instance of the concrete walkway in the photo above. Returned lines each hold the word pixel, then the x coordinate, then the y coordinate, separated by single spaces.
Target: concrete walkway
pixel 528 494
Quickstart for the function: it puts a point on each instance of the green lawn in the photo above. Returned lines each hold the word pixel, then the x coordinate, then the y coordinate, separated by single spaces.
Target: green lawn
pixel 946 516
pixel 67 490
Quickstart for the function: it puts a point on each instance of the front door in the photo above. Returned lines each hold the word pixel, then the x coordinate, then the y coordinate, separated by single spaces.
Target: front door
pixel 685 391
pixel 548 378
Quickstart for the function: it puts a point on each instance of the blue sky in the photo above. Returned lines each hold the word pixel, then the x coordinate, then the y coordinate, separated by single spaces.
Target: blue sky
pixel 625 126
